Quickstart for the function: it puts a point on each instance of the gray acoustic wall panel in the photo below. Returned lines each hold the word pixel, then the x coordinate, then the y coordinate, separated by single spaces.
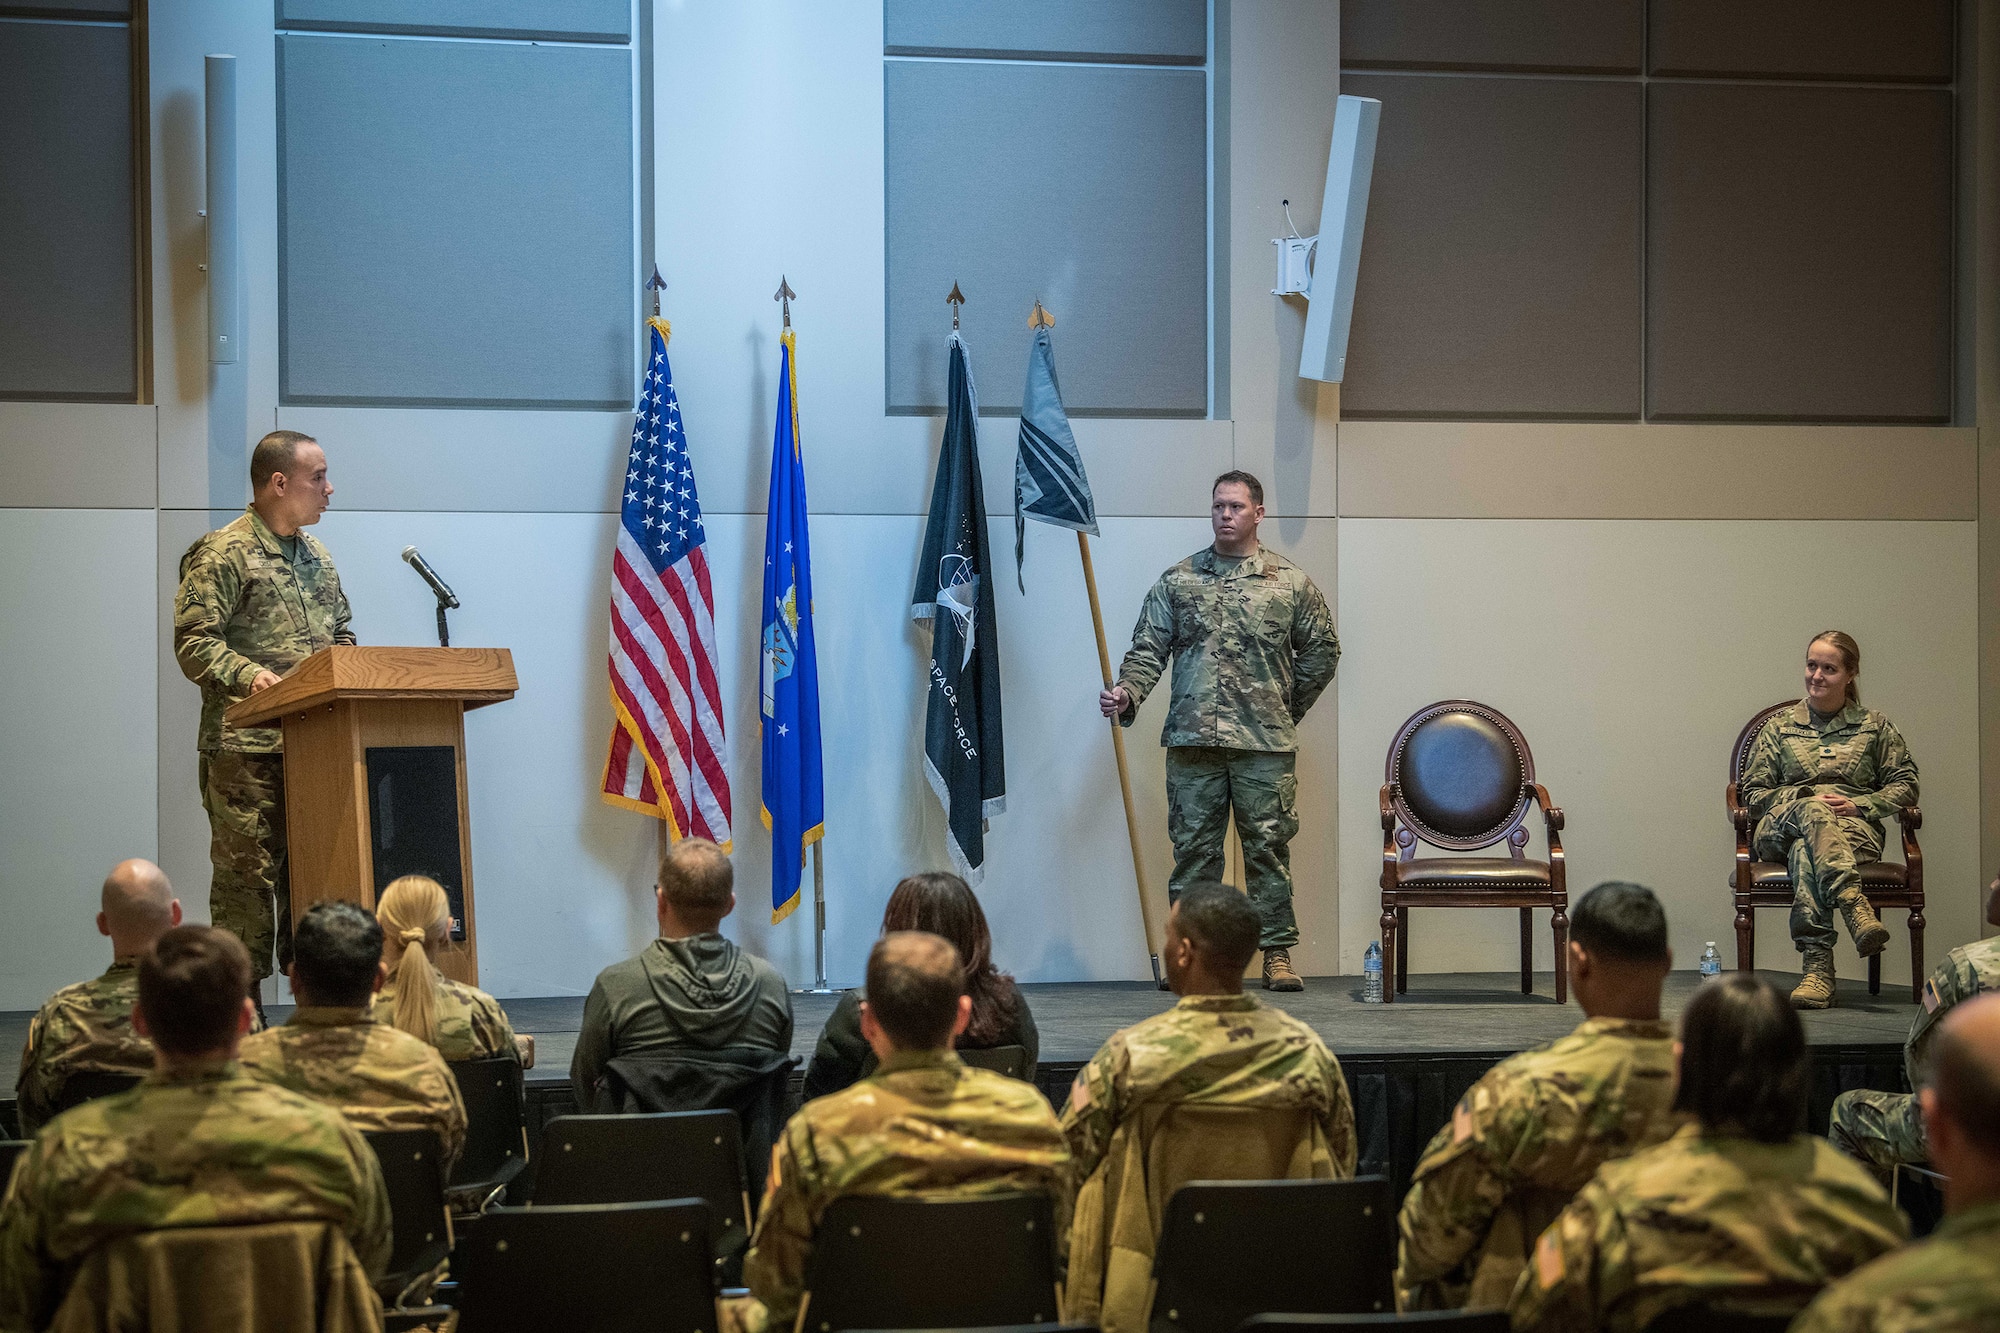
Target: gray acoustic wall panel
pixel 1898 41
pixel 68 277
pixel 1083 186
pixel 1167 32
pixel 70 9
pixel 1500 275
pixel 455 223
pixel 1574 36
pixel 1799 253
pixel 544 20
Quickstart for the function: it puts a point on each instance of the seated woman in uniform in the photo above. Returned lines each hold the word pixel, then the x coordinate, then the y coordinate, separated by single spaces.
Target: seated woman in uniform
pixel 464 1023
pixel 943 905
pixel 1740 1211
pixel 1818 781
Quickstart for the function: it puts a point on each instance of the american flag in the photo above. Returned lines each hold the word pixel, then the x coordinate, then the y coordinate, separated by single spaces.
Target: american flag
pixel 667 756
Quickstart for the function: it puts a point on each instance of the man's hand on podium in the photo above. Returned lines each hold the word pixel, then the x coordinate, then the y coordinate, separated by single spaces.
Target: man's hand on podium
pixel 264 680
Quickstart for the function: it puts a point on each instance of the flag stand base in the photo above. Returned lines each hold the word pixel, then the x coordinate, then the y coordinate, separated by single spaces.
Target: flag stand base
pixel 819 986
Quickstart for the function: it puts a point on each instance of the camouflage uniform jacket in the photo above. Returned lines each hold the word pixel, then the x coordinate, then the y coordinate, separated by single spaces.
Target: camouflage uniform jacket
pixel 1522 1142
pixel 1705 1217
pixel 85 1027
pixel 925 1123
pixel 1965 972
pixel 1252 644
pixel 207 1148
pixel 1949 1282
pixel 244 608
pixel 379 1077
pixel 471 1025
pixel 1856 753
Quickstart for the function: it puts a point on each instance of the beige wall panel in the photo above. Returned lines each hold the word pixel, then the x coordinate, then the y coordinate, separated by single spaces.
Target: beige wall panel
pixel 81 455
pixel 1447 469
pixel 1630 654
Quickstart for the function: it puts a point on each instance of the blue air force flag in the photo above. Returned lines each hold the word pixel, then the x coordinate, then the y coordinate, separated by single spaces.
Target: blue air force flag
pixel 962 742
pixel 1049 484
pixel 794 789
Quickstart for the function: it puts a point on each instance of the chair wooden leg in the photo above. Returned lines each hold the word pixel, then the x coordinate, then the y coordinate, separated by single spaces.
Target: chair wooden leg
pixel 1561 928
pixel 1389 952
pixel 1875 975
pixel 1746 937
pixel 1917 974
pixel 1527 951
pixel 1403 952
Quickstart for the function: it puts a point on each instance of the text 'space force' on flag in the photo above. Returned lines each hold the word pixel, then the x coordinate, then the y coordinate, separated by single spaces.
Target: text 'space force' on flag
pixel 667 757
pixel 962 738
pixel 794 786
pixel 1049 484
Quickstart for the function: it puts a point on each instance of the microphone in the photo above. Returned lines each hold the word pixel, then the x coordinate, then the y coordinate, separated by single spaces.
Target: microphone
pixel 445 596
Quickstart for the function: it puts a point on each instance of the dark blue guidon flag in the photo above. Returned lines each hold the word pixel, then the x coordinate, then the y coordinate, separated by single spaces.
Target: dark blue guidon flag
pixel 1049 484
pixel 962 742
pixel 794 787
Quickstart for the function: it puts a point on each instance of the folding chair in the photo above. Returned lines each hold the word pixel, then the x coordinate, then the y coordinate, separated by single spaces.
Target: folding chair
pixel 875 1264
pixel 10 1152
pixel 1425 1321
pixel 640 1158
pixel 88 1085
pixel 1232 1249
pixel 589 1268
pixel 1009 1060
pixel 1701 1317
pixel 496 1137
pixel 413 1169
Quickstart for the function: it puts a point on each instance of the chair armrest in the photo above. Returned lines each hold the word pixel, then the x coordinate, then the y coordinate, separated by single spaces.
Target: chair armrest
pixel 1388 807
pixel 1739 813
pixel 1551 813
pixel 1911 817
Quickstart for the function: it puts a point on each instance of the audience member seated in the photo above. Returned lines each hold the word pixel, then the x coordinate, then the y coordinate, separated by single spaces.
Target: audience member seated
pixel 690 989
pixel 944 905
pixel 463 1022
pixel 332 1050
pixel 1886 1129
pixel 87 1028
pixel 1739 1210
pixel 1948 1282
pixel 1534 1130
pixel 924 1123
pixel 198 1143
pixel 1164 1103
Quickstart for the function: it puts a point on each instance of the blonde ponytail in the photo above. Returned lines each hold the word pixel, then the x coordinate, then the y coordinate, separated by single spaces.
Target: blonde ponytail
pixel 412 912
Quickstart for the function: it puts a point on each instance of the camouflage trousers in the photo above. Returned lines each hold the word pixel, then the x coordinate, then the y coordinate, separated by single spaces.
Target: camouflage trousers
pixel 1822 850
pixel 1204 784
pixel 250 893
pixel 1883 1129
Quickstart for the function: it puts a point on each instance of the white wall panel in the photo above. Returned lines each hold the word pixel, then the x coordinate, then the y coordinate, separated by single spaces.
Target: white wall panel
pixel 77 705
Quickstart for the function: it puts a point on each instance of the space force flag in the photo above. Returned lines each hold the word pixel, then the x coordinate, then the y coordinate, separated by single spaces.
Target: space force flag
pixel 962 743
pixel 1049 484
pixel 794 790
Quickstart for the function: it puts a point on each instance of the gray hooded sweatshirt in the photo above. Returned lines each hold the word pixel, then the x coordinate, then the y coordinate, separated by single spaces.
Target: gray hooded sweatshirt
pixel 699 993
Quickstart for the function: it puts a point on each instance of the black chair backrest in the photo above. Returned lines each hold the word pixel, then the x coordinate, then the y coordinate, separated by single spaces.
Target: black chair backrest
pixel 1431 1321
pixel 1231 1249
pixel 875 1263
pixel 1460 772
pixel 1739 754
pixel 10 1152
pixel 1701 1317
pixel 87 1085
pixel 589 1268
pixel 413 1169
pixel 1009 1060
pixel 641 1158
pixel 496 1119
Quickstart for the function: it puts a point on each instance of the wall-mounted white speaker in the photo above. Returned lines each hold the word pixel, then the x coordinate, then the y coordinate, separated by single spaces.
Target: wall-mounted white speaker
pixel 1350 161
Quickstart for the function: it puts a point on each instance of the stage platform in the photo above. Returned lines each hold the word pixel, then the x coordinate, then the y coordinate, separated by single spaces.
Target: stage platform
pixel 1407 1064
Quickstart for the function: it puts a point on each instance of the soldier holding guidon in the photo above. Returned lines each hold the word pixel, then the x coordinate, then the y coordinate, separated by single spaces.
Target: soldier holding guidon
pixel 256 598
pixel 1253 646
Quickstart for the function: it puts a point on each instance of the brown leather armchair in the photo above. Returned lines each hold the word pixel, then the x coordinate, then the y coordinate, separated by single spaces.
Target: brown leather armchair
pixel 1755 884
pixel 1460 776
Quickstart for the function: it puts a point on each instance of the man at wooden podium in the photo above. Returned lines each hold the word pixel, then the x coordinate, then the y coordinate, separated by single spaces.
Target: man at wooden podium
pixel 257 597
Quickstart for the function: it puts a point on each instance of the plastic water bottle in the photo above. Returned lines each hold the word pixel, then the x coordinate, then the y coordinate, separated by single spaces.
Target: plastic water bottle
pixel 1711 963
pixel 1371 973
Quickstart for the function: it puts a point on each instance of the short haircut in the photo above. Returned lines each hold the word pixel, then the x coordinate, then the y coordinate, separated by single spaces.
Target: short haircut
pixel 1221 924
pixel 697 878
pixel 914 983
pixel 276 452
pixel 192 984
pixel 335 951
pixel 1620 922
pixel 1743 1059
pixel 1241 478
pixel 1967 1084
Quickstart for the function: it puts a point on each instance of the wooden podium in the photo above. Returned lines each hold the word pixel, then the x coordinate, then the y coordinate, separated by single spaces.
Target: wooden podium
pixel 375 773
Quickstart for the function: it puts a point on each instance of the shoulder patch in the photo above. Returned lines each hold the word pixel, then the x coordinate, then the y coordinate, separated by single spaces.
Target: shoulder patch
pixel 1461 1123
pixel 1548 1260
pixel 1931 998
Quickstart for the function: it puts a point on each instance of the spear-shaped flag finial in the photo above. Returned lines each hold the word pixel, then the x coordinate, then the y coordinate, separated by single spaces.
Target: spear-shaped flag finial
pixel 1039 317
pixel 656 284
pixel 785 296
pixel 955 301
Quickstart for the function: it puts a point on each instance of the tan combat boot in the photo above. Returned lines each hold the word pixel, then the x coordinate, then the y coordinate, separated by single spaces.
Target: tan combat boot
pixel 1870 935
pixel 1278 973
pixel 1815 988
